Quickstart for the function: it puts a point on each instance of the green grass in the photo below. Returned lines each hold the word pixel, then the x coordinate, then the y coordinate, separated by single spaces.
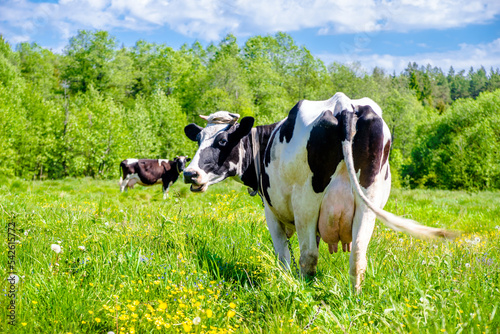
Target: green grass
pixel 154 266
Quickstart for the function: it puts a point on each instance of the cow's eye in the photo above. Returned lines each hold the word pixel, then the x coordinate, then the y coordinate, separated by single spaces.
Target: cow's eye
pixel 222 142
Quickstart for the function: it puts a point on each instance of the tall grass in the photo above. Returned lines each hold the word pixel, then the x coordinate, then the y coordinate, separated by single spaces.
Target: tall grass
pixel 204 263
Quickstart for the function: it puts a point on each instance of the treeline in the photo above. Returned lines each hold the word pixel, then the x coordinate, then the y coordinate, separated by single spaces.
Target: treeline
pixel 81 112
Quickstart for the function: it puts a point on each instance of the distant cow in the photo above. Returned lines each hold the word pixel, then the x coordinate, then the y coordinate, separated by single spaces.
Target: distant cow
pixel 323 172
pixel 148 172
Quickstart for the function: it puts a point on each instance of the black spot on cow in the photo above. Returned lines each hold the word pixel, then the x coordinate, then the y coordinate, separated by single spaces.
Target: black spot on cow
pixel 265 186
pixel 324 149
pixel 286 131
pixel 368 145
pixel 387 149
pixel 267 155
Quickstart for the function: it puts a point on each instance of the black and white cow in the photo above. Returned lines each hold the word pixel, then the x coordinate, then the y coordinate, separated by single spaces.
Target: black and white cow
pixel 323 172
pixel 148 172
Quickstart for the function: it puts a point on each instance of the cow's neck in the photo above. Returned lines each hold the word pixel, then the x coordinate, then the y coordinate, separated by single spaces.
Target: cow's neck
pixel 262 135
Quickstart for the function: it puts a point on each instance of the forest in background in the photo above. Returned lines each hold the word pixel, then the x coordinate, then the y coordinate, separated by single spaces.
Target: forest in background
pixel 81 112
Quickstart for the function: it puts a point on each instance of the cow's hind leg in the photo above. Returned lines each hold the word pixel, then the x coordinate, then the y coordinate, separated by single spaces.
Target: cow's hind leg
pixel 279 236
pixel 362 229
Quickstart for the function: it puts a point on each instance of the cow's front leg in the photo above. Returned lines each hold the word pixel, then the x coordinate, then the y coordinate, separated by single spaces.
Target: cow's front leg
pixel 166 186
pixel 124 184
pixel 278 234
pixel 362 229
pixel 306 233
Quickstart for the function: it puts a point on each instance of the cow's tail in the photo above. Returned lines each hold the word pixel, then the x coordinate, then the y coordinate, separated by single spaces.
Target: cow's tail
pixel 394 222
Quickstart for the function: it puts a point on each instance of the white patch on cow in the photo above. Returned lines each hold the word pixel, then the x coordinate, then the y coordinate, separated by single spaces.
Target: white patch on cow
pixel 162 160
pixel 238 167
pixel 131 161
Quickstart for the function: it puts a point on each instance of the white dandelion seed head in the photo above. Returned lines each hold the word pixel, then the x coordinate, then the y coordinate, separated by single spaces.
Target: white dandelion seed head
pixel 196 321
pixel 477 240
pixel 13 279
pixel 59 242
pixel 56 248
pixel 82 248
pixel 467 265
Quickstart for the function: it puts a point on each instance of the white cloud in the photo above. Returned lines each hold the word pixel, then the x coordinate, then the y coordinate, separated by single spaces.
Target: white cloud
pixel 467 56
pixel 211 19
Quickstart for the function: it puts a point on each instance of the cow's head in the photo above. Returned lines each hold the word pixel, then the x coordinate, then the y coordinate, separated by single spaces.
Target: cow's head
pixel 180 163
pixel 219 154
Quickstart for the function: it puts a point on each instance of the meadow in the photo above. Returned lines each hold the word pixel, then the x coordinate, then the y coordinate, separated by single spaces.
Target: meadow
pixel 204 263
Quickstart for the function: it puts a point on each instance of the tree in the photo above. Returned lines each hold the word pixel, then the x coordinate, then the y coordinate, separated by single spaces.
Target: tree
pixel 88 58
pixel 478 81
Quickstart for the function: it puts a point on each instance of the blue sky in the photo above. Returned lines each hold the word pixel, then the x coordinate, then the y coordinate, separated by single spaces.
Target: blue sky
pixel 384 33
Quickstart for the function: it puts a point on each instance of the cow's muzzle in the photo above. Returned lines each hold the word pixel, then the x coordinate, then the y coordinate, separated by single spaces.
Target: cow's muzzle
pixel 193 177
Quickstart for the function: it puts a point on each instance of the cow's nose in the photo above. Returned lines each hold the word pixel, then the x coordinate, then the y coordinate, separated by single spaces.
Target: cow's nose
pixel 190 175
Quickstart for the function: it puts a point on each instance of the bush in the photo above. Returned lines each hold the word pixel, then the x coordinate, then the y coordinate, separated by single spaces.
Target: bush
pixel 461 149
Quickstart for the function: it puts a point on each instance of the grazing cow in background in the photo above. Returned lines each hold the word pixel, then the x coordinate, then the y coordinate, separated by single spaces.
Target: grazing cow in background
pixel 323 172
pixel 148 172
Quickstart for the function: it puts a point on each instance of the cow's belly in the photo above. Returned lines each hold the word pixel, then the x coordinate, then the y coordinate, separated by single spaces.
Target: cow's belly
pixel 288 175
pixel 148 182
pixel 337 210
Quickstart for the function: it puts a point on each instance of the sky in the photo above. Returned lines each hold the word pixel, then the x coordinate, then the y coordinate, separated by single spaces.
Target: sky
pixel 384 33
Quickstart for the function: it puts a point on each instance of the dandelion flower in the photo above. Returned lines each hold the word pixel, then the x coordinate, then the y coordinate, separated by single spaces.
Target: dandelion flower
pixel 232 305
pixel 209 313
pixel 97 320
pixel 56 248
pixel 186 327
pixel 231 313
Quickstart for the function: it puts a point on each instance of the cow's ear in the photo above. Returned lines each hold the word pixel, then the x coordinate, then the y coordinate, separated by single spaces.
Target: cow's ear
pixel 188 159
pixel 244 129
pixel 192 130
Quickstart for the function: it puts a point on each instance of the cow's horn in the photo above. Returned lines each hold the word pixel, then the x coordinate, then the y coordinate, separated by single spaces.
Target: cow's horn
pixel 204 117
pixel 235 117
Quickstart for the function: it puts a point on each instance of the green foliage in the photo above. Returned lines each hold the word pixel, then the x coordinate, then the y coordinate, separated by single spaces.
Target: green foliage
pixel 89 56
pixel 460 149
pixel 82 112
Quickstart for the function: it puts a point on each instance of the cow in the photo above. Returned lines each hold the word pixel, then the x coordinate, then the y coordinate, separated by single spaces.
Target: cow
pixel 148 172
pixel 323 172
